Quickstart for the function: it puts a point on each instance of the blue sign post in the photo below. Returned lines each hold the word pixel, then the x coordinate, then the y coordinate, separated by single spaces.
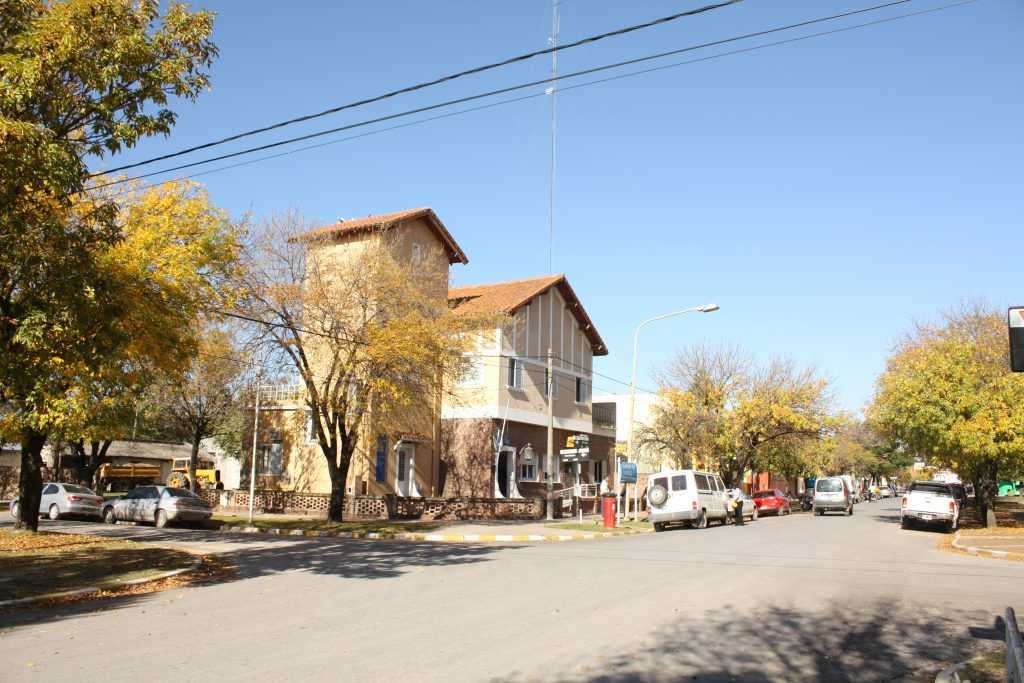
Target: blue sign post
pixel 627 472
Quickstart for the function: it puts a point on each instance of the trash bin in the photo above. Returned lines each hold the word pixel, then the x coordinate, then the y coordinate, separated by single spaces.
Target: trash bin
pixel 608 510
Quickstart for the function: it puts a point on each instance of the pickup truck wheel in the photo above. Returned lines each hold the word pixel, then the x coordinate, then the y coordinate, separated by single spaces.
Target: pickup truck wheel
pixel 702 520
pixel 108 515
pixel 54 512
pixel 161 519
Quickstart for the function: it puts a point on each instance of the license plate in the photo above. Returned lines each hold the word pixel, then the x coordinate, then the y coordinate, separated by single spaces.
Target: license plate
pixel 926 516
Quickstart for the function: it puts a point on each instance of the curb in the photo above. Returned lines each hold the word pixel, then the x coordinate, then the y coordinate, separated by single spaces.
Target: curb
pixel 984 552
pixel 196 563
pixel 432 537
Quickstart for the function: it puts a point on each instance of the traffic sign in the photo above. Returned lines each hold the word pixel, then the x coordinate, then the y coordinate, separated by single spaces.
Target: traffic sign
pixel 1015 323
pixel 627 472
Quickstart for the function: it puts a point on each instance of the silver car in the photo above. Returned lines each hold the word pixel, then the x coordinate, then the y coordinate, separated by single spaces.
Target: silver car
pixel 65 500
pixel 160 505
pixel 832 495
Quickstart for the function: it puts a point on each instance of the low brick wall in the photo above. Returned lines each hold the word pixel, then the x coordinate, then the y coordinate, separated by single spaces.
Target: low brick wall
pixel 467 508
pixel 377 507
pixel 290 502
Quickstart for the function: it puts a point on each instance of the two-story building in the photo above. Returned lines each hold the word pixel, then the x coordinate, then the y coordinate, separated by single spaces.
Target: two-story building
pixel 496 421
pixel 498 408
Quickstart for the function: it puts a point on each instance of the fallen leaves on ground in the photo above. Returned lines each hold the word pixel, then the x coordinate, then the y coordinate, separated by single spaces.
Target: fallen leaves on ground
pixel 19 541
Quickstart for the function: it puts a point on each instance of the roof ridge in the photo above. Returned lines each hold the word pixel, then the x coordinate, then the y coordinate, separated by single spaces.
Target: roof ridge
pixel 500 283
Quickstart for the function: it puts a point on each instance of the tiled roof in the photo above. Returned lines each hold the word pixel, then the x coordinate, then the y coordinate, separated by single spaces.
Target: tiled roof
pixel 386 220
pixel 506 297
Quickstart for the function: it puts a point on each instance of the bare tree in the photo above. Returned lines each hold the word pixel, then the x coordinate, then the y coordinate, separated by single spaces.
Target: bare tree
pixel 203 401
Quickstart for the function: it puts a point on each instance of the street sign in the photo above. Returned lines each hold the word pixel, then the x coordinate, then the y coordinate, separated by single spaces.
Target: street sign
pixel 1015 323
pixel 577 441
pixel 627 472
pixel 574 454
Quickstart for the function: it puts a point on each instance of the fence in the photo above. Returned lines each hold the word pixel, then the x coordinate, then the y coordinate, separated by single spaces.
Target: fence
pixel 1014 649
pixel 377 507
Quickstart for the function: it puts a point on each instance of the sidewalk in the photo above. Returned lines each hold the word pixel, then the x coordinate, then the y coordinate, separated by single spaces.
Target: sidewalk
pixel 446 532
pixel 1006 544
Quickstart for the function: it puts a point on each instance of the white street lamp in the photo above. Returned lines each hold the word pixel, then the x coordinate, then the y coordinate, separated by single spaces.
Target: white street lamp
pixel 706 308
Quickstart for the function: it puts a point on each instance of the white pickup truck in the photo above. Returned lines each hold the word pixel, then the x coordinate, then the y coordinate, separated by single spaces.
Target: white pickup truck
pixel 930 502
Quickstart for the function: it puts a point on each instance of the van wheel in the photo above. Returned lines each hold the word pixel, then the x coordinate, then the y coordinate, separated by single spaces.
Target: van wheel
pixel 702 520
pixel 904 523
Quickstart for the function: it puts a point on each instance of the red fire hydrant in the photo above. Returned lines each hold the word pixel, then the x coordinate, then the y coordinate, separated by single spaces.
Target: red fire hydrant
pixel 608 510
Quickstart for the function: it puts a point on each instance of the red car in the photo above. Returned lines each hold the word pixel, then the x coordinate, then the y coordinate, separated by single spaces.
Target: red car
pixel 772 500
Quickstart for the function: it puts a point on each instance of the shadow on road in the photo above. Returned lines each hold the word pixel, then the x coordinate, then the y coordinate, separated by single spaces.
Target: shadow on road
pixel 251 556
pixel 840 643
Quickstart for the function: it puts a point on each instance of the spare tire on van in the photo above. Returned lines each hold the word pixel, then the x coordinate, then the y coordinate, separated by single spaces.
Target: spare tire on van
pixel 657 495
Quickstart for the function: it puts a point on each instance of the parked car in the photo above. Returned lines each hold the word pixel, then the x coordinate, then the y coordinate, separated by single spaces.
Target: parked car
pixel 687 496
pixel 930 502
pixel 65 500
pixel 160 505
pixel 832 495
pixel 750 510
pixel 772 500
pixel 886 491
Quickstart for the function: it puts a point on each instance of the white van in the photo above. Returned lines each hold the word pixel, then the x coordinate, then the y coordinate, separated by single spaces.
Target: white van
pixel 852 487
pixel 686 496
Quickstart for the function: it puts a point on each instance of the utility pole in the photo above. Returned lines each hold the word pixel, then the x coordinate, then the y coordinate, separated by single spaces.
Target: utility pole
pixel 555 26
pixel 551 436
pixel 255 437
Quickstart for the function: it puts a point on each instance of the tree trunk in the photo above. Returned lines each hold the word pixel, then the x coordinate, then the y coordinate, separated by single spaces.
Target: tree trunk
pixel 989 488
pixel 192 484
pixel 85 464
pixel 30 482
pixel 339 477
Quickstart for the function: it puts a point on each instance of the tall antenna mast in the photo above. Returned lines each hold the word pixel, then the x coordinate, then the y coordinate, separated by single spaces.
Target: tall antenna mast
pixel 555 25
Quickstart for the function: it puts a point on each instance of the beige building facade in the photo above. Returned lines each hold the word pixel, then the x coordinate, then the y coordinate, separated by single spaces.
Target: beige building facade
pixel 472 443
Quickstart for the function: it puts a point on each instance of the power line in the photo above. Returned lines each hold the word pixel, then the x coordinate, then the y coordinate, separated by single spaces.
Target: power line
pixel 500 91
pixel 437 81
pixel 522 98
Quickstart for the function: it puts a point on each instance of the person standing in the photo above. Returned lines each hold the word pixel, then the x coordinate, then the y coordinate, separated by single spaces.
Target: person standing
pixel 737 503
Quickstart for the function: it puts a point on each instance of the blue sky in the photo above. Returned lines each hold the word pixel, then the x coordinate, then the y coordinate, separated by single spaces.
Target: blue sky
pixel 825 193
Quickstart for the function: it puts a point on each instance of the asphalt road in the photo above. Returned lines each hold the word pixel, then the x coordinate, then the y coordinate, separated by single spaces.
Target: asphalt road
pixel 791 599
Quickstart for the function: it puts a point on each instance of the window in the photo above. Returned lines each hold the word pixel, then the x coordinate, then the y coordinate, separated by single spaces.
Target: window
pixel 149 493
pixel 417 253
pixel 272 456
pixel 660 481
pixel 581 390
pixel 380 471
pixel 50 489
pixel 178 493
pixel 679 482
pixel 927 487
pixel 310 432
pixel 598 471
pixel 553 384
pixel 472 373
pixel 829 485
pixel 71 488
pixel 527 471
pixel 703 483
pixel 515 373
